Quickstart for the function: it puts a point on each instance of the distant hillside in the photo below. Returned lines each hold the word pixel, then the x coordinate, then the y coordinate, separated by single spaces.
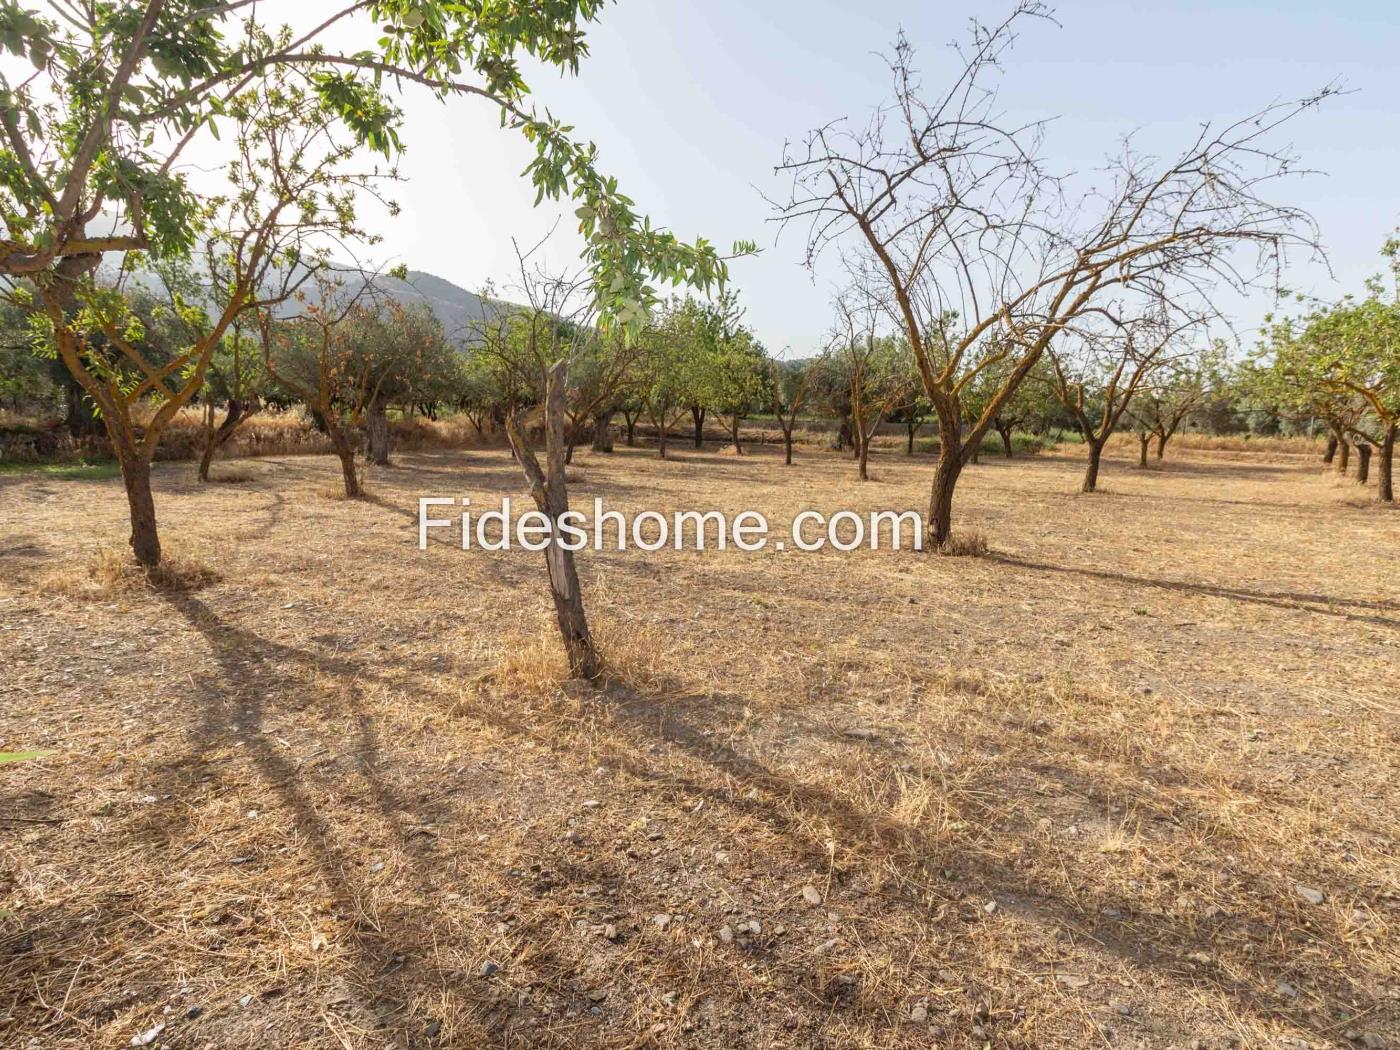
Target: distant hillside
pixel 458 309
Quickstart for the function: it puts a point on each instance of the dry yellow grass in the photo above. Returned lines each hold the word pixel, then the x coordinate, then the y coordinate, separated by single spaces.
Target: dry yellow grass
pixel 1062 795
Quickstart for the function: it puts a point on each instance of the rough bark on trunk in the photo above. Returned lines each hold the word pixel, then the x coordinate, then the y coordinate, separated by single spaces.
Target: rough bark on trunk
pixel 1385 483
pixel 549 490
pixel 945 479
pixel 1143 441
pixel 136 477
pixel 1343 457
pixel 661 433
pixel 1091 473
pixel 1162 440
pixel 378 428
pixel 631 420
pixel 909 445
pixel 1331 453
pixel 345 451
pixel 1363 463
pixel 787 446
pixel 697 416
pixel 734 435
pixel 602 432
pixel 864 459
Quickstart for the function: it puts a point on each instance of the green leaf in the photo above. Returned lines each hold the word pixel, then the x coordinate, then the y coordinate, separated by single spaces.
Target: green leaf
pixel 7 757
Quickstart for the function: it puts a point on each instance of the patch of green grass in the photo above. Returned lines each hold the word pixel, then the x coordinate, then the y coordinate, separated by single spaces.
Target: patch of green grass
pixel 79 471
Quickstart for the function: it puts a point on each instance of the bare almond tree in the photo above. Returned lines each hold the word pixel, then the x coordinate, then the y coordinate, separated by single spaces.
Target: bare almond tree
pixel 947 201
pixel 1096 371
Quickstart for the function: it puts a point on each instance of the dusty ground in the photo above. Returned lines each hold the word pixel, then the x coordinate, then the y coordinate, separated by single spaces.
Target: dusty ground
pixel 1130 780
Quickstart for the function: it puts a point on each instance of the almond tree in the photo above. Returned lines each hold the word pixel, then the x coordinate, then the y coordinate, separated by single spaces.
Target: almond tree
pixel 292 186
pixel 338 356
pixel 1095 372
pixel 948 203
pixel 874 365
pixel 1174 391
pixel 789 384
pixel 92 141
pixel 1359 345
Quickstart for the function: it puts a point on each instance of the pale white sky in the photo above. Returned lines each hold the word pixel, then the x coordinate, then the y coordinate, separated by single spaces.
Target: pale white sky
pixel 690 104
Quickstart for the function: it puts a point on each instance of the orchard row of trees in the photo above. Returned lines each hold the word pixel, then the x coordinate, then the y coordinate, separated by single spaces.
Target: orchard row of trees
pixel 1337 365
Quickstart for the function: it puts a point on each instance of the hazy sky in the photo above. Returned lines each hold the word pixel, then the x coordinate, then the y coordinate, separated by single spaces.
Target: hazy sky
pixel 690 103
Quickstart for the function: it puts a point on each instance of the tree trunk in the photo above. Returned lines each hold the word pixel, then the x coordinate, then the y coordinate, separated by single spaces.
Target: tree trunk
pixel 909 445
pixel 787 446
pixel 1005 433
pixel 661 434
pixel 136 476
pixel 215 439
pixel 945 480
pixel 602 432
pixel 1143 441
pixel 345 451
pixel 1162 440
pixel 1343 456
pixel 734 434
pixel 697 415
pixel 631 420
pixel 1385 484
pixel 1091 473
pixel 378 428
pixel 864 458
pixel 549 490
pixel 1331 453
pixel 843 433
pixel 1363 462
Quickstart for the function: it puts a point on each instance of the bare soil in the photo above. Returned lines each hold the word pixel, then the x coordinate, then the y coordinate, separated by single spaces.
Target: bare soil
pixel 1128 780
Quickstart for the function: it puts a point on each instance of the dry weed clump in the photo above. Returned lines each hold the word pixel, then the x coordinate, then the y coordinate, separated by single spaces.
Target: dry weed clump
pixel 964 545
pixel 112 572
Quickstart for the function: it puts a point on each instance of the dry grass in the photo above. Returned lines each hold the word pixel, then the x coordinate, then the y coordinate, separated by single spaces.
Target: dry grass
pixel 1062 795
pixel 1189 441
pixel 964 545
pixel 111 571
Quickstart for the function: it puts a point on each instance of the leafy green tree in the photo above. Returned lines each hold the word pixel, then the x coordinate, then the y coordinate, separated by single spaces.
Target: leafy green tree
pixel 340 354
pixel 876 367
pixel 121 90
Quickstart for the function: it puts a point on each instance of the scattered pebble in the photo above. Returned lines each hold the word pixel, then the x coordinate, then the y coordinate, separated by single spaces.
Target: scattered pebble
pixel 919 1014
pixel 662 921
pixel 1309 894
pixel 990 907
pixel 811 895
pixel 149 1036
pixel 1286 990
pixel 488 968
pixel 591 803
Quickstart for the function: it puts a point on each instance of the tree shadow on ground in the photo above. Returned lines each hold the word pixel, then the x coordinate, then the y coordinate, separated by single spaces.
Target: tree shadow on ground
pixel 1321 604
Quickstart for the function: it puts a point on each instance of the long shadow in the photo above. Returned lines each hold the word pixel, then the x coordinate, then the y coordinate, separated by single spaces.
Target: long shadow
pixel 787 805
pixel 1293 602
pixel 233 710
